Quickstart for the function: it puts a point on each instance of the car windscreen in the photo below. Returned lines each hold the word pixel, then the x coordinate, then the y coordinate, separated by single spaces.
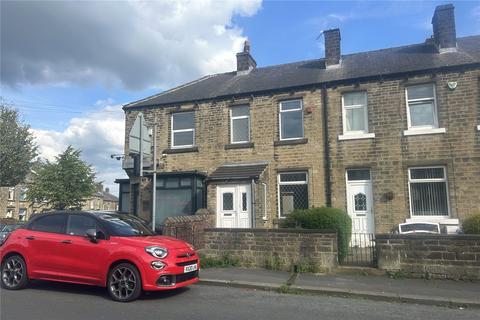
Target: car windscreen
pixel 124 225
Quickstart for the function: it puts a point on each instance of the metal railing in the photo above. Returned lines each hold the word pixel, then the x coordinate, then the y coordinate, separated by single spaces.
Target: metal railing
pixel 361 251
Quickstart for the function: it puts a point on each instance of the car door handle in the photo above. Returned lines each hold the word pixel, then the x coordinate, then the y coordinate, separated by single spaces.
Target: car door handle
pixel 67 241
pixel 30 238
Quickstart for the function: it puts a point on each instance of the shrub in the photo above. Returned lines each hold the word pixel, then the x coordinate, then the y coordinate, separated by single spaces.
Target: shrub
pixel 471 225
pixel 323 218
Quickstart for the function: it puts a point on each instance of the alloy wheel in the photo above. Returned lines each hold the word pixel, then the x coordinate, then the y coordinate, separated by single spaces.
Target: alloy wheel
pixel 13 272
pixel 123 283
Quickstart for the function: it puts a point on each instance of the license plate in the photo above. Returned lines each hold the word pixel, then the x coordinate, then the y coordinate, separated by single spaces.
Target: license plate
pixel 190 268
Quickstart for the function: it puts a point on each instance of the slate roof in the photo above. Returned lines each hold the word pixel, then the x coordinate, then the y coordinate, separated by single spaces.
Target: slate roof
pixel 244 171
pixel 385 62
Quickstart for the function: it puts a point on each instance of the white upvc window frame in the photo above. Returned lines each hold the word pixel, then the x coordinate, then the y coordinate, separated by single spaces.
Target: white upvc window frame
pixel 444 179
pixel 355 106
pixel 424 129
pixel 233 118
pixel 280 112
pixel 297 182
pixel 172 131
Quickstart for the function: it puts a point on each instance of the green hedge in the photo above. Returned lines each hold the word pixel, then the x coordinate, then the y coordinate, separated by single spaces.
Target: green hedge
pixel 323 218
pixel 471 225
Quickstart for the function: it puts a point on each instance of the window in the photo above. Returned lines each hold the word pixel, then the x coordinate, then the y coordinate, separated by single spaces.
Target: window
pixel 421 107
pixel 9 213
pixel 240 124
pixel 11 193
pixel 78 225
pixel 178 196
pixel 428 192
pixel 124 197
pixel 293 192
pixel 227 201
pixel 51 223
pixel 22 212
pixel 355 113
pixel 183 130
pixel 358 174
pixel 291 120
pixel 23 194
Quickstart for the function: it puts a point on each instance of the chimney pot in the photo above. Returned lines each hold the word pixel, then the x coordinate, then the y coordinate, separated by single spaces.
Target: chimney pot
pixel 332 48
pixel 444 34
pixel 245 61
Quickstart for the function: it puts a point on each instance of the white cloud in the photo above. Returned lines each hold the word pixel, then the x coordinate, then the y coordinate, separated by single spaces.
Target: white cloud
pixel 133 44
pixel 98 134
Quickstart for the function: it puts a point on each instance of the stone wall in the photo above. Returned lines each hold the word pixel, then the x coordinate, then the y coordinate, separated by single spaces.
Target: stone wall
pixel 189 228
pixel 430 256
pixel 279 249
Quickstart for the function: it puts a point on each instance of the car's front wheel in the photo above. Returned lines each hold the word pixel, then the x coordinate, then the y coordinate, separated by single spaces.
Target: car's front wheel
pixel 14 273
pixel 124 283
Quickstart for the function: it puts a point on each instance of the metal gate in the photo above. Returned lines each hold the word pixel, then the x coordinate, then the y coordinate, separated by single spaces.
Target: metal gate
pixel 361 251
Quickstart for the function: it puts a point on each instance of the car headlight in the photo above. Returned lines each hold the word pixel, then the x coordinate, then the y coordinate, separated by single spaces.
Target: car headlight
pixel 157 252
pixel 191 246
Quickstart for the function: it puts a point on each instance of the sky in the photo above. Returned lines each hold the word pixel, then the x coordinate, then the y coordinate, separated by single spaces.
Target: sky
pixel 69 66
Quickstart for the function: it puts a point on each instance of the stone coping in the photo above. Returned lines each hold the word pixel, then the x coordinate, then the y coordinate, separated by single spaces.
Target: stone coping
pixel 412 236
pixel 264 230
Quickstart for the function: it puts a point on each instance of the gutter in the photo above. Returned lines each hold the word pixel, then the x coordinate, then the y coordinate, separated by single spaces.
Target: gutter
pixel 326 151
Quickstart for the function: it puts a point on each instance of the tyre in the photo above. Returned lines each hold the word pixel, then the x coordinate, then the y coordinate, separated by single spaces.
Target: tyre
pixel 124 283
pixel 14 273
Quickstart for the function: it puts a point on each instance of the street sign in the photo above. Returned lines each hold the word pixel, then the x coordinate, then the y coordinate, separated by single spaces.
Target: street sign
pixel 139 137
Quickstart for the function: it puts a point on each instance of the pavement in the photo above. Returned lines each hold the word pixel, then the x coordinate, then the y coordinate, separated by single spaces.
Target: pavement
pixel 43 300
pixel 354 284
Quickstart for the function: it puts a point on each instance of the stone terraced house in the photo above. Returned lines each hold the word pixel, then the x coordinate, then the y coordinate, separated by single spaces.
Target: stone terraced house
pixel 390 136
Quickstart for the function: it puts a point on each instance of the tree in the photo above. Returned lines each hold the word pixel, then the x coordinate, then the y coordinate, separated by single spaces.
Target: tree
pixel 17 147
pixel 63 184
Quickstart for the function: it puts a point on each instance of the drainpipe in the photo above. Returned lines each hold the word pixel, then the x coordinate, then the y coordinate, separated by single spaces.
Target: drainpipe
pixel 265 218
pixel 253 202
pixel 326 151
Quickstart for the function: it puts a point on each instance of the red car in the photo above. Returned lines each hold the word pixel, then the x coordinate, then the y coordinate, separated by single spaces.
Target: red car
pixel 107 249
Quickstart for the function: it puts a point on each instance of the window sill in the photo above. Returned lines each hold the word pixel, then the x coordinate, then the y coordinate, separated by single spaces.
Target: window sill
pixel 180 150
pixel 416 132
pixel 356 136
pixel 239 145
pixel 290 142
pixel 439 219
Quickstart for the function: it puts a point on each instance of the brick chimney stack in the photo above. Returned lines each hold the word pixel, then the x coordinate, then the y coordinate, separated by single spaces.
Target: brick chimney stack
pixel 332 48
pixel 245 61
pixel 444 34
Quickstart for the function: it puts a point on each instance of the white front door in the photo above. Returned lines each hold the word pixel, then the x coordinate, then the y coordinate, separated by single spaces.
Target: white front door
pixel 234 206
pixel 360 201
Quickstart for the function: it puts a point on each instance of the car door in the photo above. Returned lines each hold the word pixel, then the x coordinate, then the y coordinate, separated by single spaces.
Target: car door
pixel 84 261
pixel 44 250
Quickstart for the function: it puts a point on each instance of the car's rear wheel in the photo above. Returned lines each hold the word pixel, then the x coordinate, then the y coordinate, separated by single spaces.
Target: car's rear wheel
pixel 124 283
pixel 14 273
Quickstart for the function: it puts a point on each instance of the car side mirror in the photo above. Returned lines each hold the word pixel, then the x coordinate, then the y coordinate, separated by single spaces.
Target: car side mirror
pixel 92 235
